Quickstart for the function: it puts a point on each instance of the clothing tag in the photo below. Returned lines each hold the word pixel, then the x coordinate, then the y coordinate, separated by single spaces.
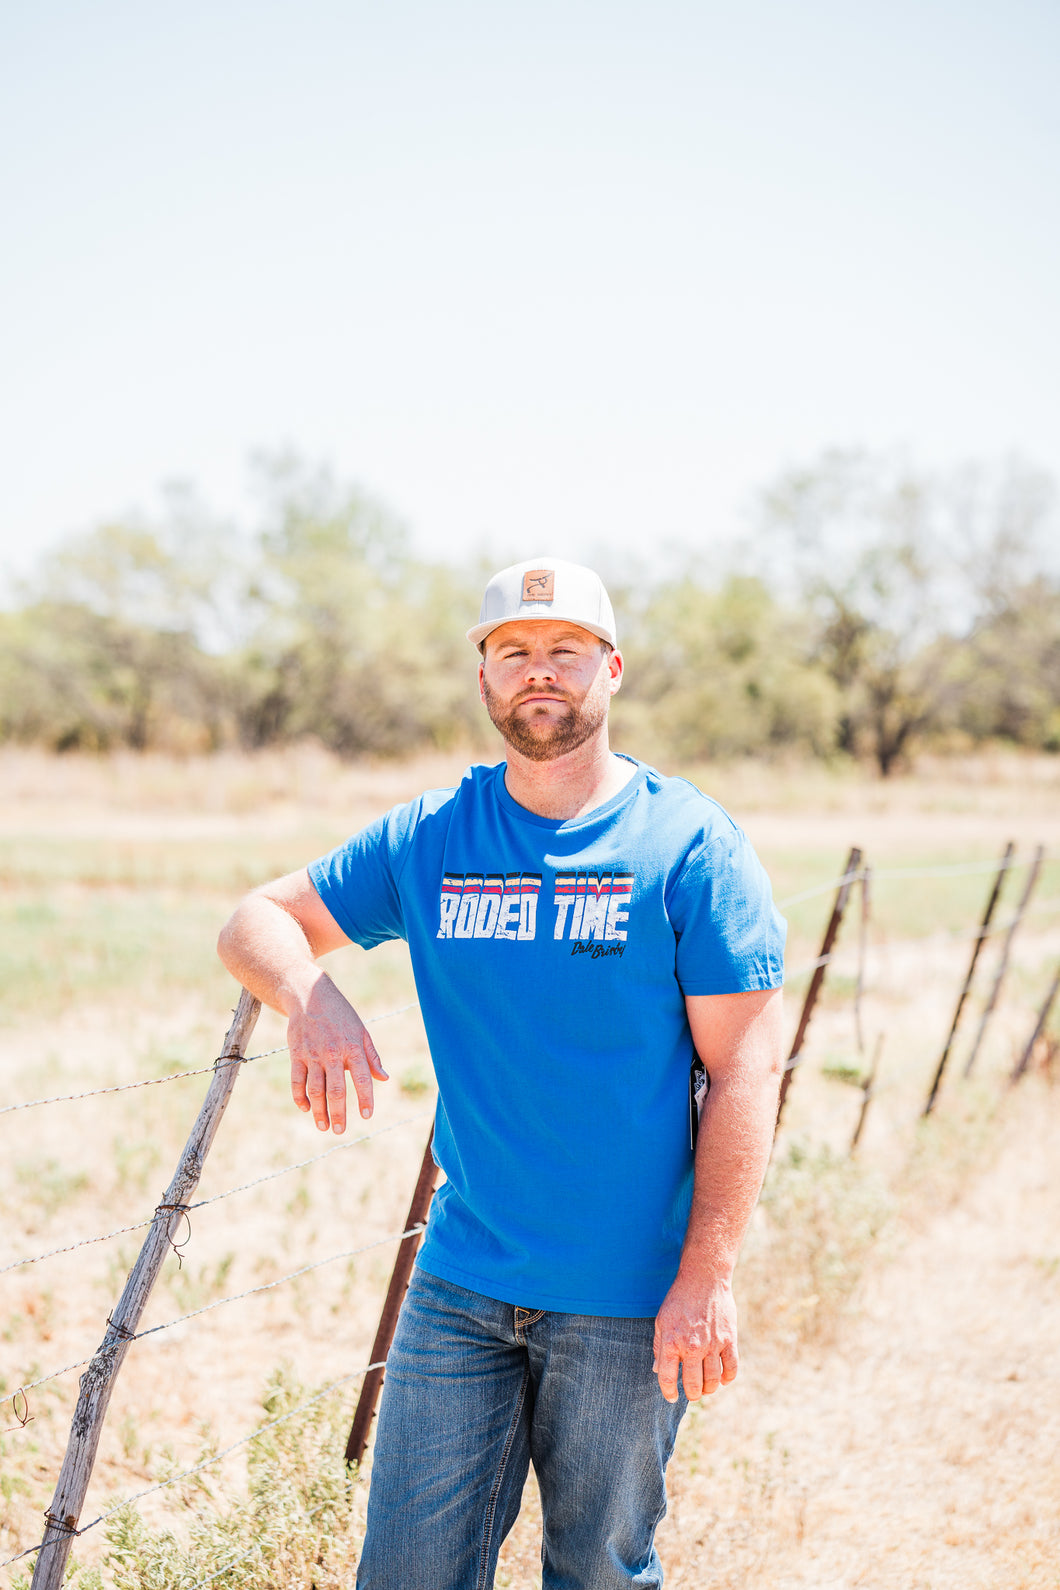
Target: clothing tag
pixel 698 1088
pixel 539 585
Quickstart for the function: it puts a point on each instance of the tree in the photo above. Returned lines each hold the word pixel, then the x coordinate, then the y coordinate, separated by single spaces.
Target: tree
pixel 1009 672
pixel 721 673
pixel 899 571
pixel 105 650
pixel 355 641
pixel 74 679
pixel 187 633
pixel 888 606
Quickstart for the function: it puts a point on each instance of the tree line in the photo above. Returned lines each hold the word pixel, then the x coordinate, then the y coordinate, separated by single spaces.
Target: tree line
pixel 873 609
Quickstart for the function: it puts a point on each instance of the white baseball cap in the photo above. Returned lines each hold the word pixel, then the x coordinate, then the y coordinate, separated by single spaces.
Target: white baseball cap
pixel 546 587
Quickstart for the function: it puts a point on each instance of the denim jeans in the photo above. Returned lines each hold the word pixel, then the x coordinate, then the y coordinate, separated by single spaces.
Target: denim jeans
pixel 475 1390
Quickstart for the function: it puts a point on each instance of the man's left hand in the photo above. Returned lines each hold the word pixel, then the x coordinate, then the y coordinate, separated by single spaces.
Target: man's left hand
pixel 695 1335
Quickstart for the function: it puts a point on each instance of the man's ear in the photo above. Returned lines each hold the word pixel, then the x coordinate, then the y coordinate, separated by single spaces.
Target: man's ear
pixel 616 667
pixel 481 692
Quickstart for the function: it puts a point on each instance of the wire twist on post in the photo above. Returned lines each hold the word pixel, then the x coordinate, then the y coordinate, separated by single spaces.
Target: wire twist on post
pixel 178 1247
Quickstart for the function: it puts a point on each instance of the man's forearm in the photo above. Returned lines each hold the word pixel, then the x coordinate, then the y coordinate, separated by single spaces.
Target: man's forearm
pixel 270 944
pixel 732 1153
pixel 267 950
pixel 738 1038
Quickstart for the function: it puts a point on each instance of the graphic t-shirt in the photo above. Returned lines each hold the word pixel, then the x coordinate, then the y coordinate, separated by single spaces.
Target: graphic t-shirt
pixel 551 961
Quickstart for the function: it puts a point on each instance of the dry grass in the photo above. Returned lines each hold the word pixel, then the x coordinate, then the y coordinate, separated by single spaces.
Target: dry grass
pixel 895 1422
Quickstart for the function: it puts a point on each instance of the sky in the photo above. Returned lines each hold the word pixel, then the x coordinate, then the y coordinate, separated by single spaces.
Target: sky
pixel 541 277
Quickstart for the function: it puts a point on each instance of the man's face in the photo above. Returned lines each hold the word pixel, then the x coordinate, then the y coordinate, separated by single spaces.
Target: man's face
pixel 547 685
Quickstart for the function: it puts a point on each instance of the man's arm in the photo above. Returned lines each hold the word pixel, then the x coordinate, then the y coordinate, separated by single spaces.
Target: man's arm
pixel 270 943
pixel 738 1037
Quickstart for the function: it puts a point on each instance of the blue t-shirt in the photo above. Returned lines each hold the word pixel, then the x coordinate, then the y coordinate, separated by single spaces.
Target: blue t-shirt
pixel 551 960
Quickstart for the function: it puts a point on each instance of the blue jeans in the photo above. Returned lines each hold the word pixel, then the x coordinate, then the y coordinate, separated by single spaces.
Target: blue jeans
pixel 474 1391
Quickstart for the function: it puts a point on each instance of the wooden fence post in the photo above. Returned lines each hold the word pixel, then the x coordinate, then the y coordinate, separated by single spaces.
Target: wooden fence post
pixel 842 896
pixel 395 1294
pixel 1002 965
pixel 1043 1016
pixel 97 1382
pixel 863 945
pixel 984 928
pixel 867 1088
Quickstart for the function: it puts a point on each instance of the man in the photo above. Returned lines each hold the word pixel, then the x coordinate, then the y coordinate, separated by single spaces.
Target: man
pixel 579 926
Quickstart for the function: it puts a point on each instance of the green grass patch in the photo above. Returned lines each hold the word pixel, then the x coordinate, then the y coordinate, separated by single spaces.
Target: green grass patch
pixel 820 1218
pixel 299 1520
pixel 232 863
pixel 77 944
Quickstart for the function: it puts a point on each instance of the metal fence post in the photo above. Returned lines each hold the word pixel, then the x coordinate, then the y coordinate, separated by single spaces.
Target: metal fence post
pixel 1043 1016
pixel 357 1443
pixel 847 882
pixel 1002 965
pixel 984 928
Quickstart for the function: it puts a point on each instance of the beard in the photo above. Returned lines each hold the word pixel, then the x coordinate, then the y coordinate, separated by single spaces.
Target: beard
pixel 541 736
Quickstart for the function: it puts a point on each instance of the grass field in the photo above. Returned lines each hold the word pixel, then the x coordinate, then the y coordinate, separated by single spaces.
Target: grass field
pixel 896 1422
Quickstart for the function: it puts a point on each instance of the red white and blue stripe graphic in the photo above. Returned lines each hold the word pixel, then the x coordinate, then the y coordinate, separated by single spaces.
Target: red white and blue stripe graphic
pixel 491 905
pixel 592 905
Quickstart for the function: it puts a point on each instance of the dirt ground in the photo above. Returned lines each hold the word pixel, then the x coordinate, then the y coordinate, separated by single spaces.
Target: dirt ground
pixel 922 1448
pixel 896 1422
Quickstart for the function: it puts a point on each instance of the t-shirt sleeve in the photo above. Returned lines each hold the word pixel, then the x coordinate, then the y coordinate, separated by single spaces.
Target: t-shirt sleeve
pixel 358 881
pixel 730 936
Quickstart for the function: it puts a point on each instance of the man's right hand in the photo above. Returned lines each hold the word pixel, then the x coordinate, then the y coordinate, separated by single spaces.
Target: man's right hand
pixel 327 1038
pixel 271 944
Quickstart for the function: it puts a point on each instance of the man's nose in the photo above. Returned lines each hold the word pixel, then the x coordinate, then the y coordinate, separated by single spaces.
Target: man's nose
pixel 540 666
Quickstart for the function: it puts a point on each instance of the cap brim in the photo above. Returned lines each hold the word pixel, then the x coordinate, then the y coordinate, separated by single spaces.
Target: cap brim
pixel 477 634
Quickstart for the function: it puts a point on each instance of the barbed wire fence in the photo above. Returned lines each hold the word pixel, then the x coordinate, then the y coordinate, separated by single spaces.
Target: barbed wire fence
pixel 175 1208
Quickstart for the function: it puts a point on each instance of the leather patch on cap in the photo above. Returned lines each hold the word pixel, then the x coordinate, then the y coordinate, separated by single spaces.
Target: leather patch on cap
pixel 539 585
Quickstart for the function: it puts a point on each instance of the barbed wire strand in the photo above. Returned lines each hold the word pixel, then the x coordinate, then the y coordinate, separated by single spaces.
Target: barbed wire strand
pixel 946 870
pixel 27 1553
pixel 31 1385
pixel 70 1247
pixel 178 1076
pixel 237 1297
pixel 242 1557
pixel 314 1159
pixel 175 1479
pixel 954 869
pixel 314 1512
pixel 146 1082
pixel 945 936
pixel 232 1562
pixel 1039 908
pixel 268 1286
pixel 87 1242
pixel 255 1435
